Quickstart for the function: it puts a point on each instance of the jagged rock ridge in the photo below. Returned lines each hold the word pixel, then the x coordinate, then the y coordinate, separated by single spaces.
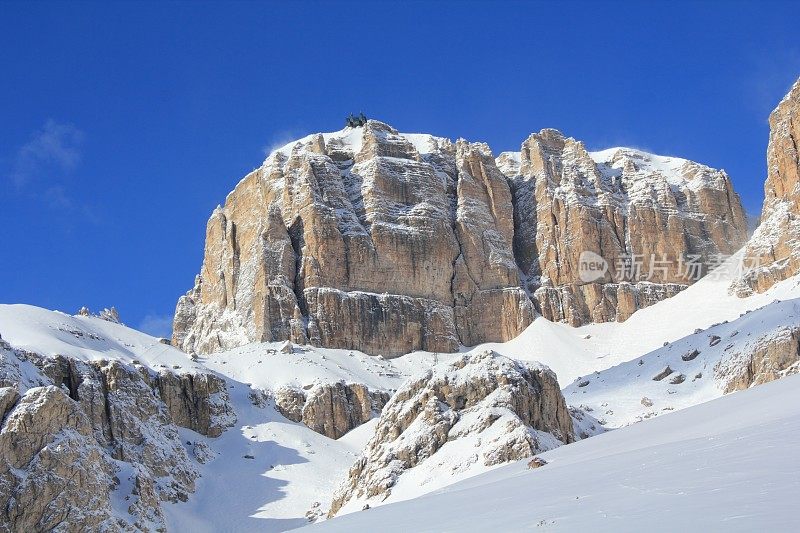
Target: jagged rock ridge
pixel 388 243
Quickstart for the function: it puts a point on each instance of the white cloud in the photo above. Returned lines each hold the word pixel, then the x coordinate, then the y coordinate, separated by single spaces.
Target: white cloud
pixel 156 325
pixel 54 147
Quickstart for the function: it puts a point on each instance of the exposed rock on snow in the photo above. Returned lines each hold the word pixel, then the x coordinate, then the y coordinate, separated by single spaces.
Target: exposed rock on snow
pixel 53 473
pixel 666 371
pixel 196 401
pixel 388 243
pixel 536 462
pixel 109 315
pixel 86 435
pixel 331 409
pixel 677 380
pixel 690 355
pixel 774 248
pixel 760 346
pixel 482 408
pixel 289 402
pixel 771 357
pixel 286 347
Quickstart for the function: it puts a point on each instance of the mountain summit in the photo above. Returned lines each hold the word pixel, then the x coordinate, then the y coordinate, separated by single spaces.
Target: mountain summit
pixel 385 242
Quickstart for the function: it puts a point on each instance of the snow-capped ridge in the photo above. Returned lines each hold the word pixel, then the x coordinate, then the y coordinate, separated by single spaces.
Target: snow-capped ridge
pixel 351 138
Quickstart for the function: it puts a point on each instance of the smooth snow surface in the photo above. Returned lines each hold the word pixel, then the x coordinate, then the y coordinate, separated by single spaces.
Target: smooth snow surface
pixel 726 465
pixel 267 473
pixel 87 338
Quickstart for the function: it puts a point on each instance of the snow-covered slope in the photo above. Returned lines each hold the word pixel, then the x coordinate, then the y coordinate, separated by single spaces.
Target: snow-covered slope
pixel 264 366
pixel 87 338
pixel 677 171
pixel 577 352
pixel 268 473
pixel 730 464
pixel 265 473
pixel 759 346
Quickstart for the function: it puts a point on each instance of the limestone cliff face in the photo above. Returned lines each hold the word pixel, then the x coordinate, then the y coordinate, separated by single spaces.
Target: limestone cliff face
pixel 773 252
pixel 649 217
pixel 387 243
pixel 767 358
pixel 46 436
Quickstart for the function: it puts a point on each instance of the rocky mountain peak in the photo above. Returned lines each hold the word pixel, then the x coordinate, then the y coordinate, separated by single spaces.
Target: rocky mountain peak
pixel 372 239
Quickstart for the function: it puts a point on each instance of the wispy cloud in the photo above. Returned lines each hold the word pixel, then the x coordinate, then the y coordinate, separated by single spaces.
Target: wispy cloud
pixel 279 140
pixel 43 170
pixel 156 325
pixel 769 77
pixel 56 147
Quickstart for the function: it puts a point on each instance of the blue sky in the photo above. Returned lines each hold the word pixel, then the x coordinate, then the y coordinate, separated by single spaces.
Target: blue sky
pixel 124 125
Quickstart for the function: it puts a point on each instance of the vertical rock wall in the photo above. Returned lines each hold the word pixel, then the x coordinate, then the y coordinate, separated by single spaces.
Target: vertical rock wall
pixel 388 243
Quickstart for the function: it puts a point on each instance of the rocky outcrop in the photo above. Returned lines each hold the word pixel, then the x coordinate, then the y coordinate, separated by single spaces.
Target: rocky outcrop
pixel 653 223
pixel 53 473
pixel 196 401
pixel 331 409
pixel 82 431
pixel 600 302
pixel 109 315
pixel 769 358
pixel 388 243
pixel 506 410
pixel 773 252
pixel 759 346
